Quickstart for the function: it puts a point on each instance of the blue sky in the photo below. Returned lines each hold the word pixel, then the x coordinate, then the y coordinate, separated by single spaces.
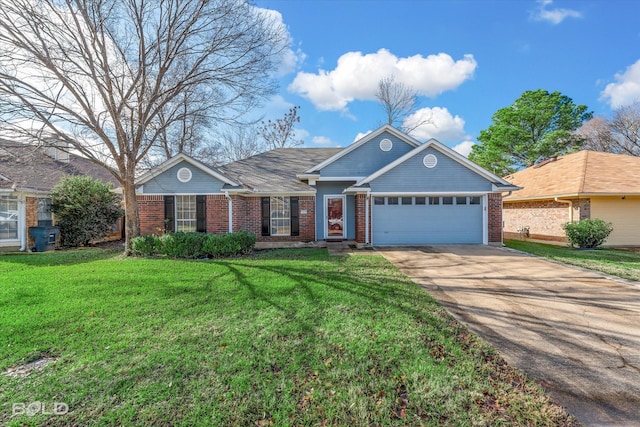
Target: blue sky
pixel 467 59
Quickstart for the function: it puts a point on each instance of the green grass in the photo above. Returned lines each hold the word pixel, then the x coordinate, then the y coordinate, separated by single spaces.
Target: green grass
pixel 280 338
pixel 621 263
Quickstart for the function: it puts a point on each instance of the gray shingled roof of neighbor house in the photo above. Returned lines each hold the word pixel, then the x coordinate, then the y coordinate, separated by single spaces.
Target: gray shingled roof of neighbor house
pixel 276 171
pixel 28 168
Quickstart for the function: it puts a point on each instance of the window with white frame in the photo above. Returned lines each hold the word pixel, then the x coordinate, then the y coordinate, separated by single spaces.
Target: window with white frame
pixel 186 219
pixel 45 216
pixel 280 216
pixel 8 218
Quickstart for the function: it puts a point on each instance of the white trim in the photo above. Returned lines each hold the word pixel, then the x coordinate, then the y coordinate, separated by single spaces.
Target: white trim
pixel 341 178
pixel 325 208
pixel 427 194
pixel 386 128
pixel 152 173
pixel 485 219
pixel 230 209
pixel 366 219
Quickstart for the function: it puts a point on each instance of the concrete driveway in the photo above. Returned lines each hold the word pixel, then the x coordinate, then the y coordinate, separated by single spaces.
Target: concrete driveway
pixel 576 332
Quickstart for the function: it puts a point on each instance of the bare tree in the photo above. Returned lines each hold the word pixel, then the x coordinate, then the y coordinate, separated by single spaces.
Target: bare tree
pixel 620 134
pixel 597 135
pixel 397 99
pixel 625 126
pixel 280 133
pixel 239 142
pixel 107 76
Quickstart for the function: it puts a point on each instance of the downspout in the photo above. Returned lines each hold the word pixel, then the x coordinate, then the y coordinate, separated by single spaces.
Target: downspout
pixel 570 203
pixel 22 223
pixel 230 209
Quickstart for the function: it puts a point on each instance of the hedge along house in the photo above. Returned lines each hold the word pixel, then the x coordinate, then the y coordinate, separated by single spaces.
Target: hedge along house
pixel 28 173
pixel 384 189
pixel 585 184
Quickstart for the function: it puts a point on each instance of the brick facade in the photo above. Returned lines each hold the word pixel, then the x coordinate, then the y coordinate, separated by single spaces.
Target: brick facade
pixel 32 218
pixel 151 214
pixel 494 210
pixel 544 218
pixel 360 212
pixel 246 216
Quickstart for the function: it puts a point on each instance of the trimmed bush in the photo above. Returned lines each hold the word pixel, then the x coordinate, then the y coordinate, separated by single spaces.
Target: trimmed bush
pixel 588 233
pixel 195 245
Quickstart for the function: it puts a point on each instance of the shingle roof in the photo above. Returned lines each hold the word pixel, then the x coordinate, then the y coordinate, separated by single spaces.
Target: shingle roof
pixel 582 173
pixel 275 171
pixel 28 168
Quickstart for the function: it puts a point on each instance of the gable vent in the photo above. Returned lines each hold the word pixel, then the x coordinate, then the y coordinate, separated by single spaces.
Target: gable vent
pixel 184 175
pixel 386 144
pixel 430 161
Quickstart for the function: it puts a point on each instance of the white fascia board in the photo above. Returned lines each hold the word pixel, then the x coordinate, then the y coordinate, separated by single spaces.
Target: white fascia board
pixel 280 193
pixel 341 178
pixel 428 193
pixel 362 141
pixel 177 159
pixel 357 190
pixel 305 176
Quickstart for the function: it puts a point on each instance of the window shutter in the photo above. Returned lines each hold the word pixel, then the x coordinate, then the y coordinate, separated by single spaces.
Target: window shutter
pixel 266 216
pixel 201 214
pixel 295 218
pixel 169 214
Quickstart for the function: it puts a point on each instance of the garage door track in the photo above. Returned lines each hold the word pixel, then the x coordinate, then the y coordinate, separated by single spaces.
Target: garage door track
pixel 576 332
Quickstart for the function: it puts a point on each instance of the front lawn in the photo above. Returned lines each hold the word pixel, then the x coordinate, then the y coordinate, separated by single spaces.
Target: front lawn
pixel 621 263
pixel 280 338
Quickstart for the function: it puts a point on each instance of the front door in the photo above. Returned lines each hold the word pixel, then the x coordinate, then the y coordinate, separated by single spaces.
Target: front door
pixel 335 219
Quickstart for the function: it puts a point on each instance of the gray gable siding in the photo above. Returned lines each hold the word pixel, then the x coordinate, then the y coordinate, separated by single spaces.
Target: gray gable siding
pixel 334 188
pixel 368 158
pixel 447 176
pixel 168 183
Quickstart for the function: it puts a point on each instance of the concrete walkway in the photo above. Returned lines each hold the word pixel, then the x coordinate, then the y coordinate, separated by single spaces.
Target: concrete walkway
pixel 576 332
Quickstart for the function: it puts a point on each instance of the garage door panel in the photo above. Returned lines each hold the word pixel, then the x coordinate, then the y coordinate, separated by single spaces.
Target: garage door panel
pixel 426 224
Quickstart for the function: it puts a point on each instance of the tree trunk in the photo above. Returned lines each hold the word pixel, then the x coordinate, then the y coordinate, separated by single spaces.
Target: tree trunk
pixel 132 223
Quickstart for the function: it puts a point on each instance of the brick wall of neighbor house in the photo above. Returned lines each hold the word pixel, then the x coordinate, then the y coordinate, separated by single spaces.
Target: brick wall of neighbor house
pixel 495 217
pixel 151 214
pixel 544 218
pixel 247 215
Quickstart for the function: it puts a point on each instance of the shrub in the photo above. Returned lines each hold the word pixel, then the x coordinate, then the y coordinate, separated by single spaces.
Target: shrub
pixel 85 209
pixel 588 233
pixel 145 245
pixel 195 245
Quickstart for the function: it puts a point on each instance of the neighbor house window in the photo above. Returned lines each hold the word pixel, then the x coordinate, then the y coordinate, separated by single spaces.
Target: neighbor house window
pixel 280 216
pixel 45 217
pixel 185 213
pixel 8 218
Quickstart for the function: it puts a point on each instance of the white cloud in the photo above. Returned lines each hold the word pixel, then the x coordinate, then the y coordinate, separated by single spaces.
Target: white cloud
pixel 356 77
pixel 361 135
pixel 439 123
pixel 626 89
pixel 554 16
pixel 464 148
pixel 322 141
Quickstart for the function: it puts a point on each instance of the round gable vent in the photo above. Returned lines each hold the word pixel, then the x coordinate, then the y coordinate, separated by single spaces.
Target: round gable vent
pixel 386 145
pixel 184 175
pixel 430 161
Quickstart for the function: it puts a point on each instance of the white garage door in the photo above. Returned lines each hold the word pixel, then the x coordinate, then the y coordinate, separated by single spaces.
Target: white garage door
pixel 426 220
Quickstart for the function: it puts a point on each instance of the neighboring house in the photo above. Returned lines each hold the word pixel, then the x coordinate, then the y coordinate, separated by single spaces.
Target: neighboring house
pixel 384 189
pixel 586 184
pixel 27 175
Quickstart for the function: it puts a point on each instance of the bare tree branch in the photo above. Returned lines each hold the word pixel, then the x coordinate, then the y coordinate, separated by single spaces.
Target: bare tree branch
pixel 113 77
